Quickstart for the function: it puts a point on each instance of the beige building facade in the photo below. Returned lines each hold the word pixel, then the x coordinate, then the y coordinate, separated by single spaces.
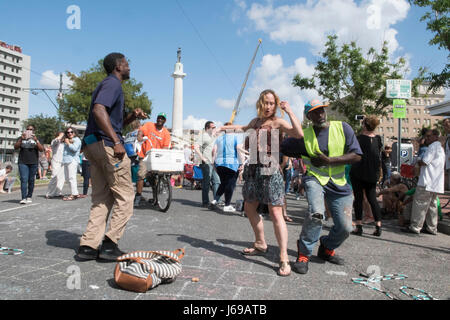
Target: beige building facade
pixel 14 76
pixel 417 115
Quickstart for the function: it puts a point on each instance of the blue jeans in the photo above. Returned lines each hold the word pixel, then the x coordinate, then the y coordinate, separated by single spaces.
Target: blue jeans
pixel 27 176
pixel 287 180
pixel 86 173
pixel 210 177
pixel 340 207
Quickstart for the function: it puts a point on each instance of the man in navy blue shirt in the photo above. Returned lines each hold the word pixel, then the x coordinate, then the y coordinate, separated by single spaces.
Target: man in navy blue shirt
pixel 337 146
pixel 112 186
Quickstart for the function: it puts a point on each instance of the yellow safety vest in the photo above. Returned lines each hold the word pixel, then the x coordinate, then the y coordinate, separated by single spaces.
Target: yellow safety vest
pixel 336 146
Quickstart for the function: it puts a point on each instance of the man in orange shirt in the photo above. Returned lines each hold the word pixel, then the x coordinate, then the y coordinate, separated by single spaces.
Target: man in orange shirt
pixel 158 137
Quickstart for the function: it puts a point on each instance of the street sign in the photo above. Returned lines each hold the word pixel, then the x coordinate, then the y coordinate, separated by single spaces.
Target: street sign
pixel 398 89
pixel 404 153
pixel 399 110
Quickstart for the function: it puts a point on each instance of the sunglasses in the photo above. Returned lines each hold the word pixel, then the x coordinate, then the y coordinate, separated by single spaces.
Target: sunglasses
pixel 68 132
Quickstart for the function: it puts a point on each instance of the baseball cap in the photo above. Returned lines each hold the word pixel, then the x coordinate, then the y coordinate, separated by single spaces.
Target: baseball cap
pixel 313 105
pixel 162 114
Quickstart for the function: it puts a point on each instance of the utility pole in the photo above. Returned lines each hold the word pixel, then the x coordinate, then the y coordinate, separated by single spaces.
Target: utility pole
pixel 60 99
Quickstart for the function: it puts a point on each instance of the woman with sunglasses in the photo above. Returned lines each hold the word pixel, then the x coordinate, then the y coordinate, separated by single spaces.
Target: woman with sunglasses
pixel 71 159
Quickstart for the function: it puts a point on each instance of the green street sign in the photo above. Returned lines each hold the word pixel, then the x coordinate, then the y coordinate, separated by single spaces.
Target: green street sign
pixel 399 108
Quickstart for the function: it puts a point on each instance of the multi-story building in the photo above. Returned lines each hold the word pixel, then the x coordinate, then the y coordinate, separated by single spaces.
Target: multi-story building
pixel 417 116
pixel 14 76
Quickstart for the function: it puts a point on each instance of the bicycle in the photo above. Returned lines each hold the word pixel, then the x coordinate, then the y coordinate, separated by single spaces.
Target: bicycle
pixel 161 188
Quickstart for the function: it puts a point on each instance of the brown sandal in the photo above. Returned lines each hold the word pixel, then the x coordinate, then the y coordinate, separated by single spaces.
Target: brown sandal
pixel 287 218
pixel 255 251
pixel 70 198
pixel 285 269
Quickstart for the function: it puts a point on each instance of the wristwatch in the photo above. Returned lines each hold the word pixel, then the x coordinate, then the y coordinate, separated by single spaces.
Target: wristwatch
pixel 116 143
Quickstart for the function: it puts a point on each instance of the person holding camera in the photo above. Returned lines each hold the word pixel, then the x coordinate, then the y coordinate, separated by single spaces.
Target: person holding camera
pixel 71 158
pixel 56 184
pixel 29 147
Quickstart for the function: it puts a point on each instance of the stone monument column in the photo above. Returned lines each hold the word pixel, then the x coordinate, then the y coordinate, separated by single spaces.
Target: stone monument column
pixel 177 112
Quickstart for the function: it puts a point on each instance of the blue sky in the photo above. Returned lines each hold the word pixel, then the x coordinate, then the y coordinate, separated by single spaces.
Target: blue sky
pixel 218 39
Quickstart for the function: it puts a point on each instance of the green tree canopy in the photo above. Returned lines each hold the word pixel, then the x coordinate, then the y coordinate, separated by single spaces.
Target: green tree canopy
pixel 76 103
pixel 46 127
pixel 438 22
pixel 351 82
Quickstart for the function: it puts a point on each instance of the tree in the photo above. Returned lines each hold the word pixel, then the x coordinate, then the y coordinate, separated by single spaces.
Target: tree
pixel 438 22
pixel 352 83
pixel 76 103
pixel 440 126
pixel 46 127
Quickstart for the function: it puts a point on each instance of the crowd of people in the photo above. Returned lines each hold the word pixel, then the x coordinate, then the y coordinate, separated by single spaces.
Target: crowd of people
pixel 62 158
pixel 339 172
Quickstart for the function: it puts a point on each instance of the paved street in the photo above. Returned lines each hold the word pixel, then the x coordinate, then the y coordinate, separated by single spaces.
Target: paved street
pixel 49 231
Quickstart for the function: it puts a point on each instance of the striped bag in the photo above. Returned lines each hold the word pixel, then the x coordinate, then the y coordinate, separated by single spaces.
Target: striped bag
pixel 140 271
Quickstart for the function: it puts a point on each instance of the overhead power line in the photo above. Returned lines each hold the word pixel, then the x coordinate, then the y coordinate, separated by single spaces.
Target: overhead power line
pixel 205 44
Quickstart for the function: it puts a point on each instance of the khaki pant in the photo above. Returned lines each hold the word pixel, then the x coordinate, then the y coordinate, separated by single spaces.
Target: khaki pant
pixel 142 173
pixel 424 209
pixel 112 190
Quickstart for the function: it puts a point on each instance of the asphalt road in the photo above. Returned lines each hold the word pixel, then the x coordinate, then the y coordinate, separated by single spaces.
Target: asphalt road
pixel 49 231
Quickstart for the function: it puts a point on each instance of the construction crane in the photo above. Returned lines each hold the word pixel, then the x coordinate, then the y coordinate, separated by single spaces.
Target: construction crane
pixel 236 106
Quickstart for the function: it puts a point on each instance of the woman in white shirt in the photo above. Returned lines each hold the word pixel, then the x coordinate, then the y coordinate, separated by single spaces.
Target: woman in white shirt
pixel 57 181
pixel 71 159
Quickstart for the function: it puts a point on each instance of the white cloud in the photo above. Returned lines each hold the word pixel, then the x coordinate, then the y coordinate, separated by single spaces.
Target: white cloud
pixel 226 104
pixel 50 80
pixel 369 23
pixel 241 6
pixel 272 74
pixel 194 123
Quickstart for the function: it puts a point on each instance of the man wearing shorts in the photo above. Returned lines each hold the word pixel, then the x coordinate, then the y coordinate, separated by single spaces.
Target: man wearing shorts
pixel 43 165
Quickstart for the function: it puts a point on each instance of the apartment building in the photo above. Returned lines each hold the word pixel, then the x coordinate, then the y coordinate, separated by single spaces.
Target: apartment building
pixel 14 76
pixel 417 115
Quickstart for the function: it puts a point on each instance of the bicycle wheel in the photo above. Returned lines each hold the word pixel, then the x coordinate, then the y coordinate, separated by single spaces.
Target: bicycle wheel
pixel 164 193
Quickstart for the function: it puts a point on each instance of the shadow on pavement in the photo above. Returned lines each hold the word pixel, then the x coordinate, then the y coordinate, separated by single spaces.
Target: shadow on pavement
pixel 63 239
pixel 443 250
pixel 17 201
pixel 226 251
pixel 187 202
